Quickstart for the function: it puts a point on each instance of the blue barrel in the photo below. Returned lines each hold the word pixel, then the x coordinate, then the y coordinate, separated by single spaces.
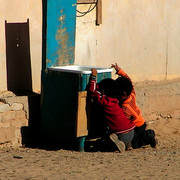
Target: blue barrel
pixel 60 97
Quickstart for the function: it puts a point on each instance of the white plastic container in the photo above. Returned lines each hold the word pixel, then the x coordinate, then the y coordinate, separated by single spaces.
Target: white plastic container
pixel 79 69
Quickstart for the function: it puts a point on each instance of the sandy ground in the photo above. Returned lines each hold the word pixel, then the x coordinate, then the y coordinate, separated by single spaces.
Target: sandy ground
pixel 145 163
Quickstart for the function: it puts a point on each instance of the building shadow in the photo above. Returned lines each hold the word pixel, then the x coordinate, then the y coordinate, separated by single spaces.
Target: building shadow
pixel 31 133
pixel 32 137
pixel 18 60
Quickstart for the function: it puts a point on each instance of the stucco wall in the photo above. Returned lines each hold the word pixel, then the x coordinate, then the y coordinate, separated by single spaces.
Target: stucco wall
pixel 141 36
pixel 17 11
pixel 158 99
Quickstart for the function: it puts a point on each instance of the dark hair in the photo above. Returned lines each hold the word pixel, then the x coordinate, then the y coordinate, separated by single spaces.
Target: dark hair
pixel 107 87
pixel 123 85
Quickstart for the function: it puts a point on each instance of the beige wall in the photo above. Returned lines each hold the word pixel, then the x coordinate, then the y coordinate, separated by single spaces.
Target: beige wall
pixel 142 36
pixel 19 11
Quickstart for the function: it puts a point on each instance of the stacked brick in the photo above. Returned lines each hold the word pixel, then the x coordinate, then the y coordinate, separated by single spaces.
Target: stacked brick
pixel 13 117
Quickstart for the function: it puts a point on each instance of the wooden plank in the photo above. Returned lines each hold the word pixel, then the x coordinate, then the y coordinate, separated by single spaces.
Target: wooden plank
pixel 99 12
pixel 82 127
pixel 86 1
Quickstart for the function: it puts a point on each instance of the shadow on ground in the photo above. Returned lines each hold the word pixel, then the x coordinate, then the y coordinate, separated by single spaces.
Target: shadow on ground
pixel 32 137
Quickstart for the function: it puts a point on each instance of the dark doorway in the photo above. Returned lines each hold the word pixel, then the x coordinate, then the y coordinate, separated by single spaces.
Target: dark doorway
pixel 18 61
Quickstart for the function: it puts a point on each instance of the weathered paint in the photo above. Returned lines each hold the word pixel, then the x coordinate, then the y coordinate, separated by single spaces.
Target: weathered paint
pixel 60 37
pixel 59 90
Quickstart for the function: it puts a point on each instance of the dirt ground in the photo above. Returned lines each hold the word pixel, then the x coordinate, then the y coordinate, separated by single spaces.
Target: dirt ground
pixel 145 163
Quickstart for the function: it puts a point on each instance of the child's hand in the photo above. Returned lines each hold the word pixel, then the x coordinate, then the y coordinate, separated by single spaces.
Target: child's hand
pixel 94 72
pixel 116 67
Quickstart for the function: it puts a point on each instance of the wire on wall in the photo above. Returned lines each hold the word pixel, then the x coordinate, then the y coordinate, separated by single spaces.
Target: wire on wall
pixel 88 11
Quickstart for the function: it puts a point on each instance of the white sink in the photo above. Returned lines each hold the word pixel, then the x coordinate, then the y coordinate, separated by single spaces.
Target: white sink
pixel 79 69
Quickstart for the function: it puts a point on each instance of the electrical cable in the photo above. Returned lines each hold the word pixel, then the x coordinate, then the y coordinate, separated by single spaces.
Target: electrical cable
pixel 80 12
pixel 88 11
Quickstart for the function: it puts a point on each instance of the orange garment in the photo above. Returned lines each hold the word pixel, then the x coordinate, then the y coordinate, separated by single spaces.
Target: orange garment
pixel 129 106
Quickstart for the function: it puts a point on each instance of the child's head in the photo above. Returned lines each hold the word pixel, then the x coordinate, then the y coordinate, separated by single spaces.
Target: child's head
pixel 124 88
pixel 107 87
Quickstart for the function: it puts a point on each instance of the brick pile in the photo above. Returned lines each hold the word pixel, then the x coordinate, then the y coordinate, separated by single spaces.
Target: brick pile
pixel 13 117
